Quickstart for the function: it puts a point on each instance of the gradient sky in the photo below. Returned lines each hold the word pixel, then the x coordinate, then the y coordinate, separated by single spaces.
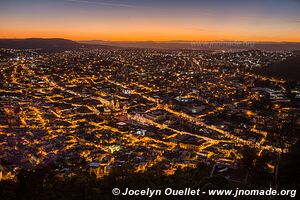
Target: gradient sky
pixel 158 20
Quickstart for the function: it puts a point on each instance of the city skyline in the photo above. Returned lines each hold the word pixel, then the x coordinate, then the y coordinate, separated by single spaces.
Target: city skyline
pixel 130 20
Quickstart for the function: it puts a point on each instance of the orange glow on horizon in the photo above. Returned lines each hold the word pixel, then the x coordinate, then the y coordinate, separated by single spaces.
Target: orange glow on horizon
pixel 146 36
pixel 82 22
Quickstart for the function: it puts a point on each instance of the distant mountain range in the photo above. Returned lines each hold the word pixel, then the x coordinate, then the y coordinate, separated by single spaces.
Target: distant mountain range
pixel 214 45
pixel 58 44
pixel 52 44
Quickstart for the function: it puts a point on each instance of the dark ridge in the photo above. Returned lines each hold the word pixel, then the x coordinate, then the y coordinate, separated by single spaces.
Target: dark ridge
pixel 51 44
pixel 288 69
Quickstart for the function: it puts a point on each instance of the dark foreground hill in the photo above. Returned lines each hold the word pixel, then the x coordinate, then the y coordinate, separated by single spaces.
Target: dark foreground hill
pixel 52 44
pixel 288 69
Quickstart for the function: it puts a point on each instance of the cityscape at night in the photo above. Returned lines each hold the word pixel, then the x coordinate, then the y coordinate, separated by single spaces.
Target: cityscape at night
pixel 149 99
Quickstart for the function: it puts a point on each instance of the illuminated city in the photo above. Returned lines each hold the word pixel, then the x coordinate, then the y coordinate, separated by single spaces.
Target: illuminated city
pixel 111 111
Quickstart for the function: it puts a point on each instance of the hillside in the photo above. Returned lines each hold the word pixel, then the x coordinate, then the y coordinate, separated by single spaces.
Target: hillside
pixel 53 44
pixel 288 69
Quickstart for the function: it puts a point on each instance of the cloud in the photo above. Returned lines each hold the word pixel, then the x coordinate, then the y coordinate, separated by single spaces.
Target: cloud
pixel 103 3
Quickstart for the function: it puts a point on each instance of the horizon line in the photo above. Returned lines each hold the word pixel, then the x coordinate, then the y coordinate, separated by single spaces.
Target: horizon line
pixel 179 40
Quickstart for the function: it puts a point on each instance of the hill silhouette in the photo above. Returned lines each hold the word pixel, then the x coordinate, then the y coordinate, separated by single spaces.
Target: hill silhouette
pixel 288 69
pixel 51 44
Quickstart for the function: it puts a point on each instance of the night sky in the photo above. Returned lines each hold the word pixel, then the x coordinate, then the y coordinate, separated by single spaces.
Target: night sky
pixel 158 20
